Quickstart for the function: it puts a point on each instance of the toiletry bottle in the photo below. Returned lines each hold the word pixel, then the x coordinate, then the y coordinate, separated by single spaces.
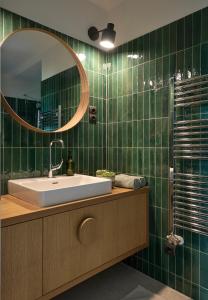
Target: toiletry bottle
pixel 70 166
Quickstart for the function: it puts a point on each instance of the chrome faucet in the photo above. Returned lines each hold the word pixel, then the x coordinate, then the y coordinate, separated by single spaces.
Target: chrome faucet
pixel 56 167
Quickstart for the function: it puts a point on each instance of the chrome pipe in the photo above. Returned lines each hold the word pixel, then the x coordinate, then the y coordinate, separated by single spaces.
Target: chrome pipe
pixel 191 194
pixel 191 157
pixel 191 139
pixel 190 175
pixel 191 218
pixel 190 146
pixel 190 181
pixel 188 211
pixel 200 77
pixel 191 127
pixel 190 97
pixel 190 133
pixel 197 151
pixel 196 188
pixel 192 229
pixel 194 200
pixel 190 121
pixel 192 205
pixel 201 89
pixel 191 103
pixel 190 85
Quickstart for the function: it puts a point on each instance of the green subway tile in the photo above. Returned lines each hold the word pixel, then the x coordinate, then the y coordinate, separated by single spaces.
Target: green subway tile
pixel 152 39
pixel 158 130
pixel 134 134
pixel 195 267
pixel 152 104
pixel 164 223
pixel 204 59
pixel 166 40
pixel 188 62
pixel 152 133
pixel 152 170
pixel 172 65
pixel 7 19
pixel 158 191
pixel 152 73
pixel 146 47
pixel 158 162
pixel 188 31
pixel 140 136
pixel 180 62
pixel 173 37
pixel 146 162
pixel 180 34
pixel 159 72
pixel 129 108
pixel 140 106
pixel 187 288
pixel 140 77
pixel 135 107
pixel 140 49
pixel 146 104
pixel 204 22
pixel 204 270
pixel 166 70
pixel 146 75
pixel 203 294
pixel 159 102
pixel 196 27
pixel 159 42
pixel 146 133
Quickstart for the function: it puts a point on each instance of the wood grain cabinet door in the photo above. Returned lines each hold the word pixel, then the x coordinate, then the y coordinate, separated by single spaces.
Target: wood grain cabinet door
pixel 21 261
pixel 132 223
pixel 76 242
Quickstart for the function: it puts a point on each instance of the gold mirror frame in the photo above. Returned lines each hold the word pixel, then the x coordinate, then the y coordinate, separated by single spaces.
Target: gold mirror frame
pixel 84 93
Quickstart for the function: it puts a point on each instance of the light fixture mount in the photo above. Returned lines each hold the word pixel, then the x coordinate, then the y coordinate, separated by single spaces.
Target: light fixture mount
pixel 108 35
pixel 93 33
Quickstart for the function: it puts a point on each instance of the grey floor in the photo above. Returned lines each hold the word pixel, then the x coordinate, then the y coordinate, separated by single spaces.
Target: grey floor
pixel 121 282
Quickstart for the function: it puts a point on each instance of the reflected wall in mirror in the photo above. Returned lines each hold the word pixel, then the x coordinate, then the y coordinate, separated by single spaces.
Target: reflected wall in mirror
pixel 41 80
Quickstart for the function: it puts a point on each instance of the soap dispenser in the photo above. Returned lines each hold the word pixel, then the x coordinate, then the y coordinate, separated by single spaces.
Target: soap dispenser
pixel 70 166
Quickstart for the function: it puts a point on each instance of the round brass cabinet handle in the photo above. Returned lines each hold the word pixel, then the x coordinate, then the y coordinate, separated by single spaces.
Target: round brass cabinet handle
pixel 87 231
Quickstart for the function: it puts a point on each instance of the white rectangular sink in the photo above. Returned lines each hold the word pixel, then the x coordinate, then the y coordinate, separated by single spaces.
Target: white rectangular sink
pixel 61 189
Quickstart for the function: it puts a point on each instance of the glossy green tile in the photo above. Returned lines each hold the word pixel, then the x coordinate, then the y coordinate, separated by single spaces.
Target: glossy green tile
pixel 204 22
pixel 196 27
pixel 180 34
pixel 152 39
pixel 159 42
pixel 173 37
pixel 188 31
pixel 204 270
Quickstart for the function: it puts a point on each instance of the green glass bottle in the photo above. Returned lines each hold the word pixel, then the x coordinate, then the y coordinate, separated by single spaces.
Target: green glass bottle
pixel 70 166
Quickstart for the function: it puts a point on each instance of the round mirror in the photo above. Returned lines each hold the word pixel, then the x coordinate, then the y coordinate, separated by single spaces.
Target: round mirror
pixel 43 84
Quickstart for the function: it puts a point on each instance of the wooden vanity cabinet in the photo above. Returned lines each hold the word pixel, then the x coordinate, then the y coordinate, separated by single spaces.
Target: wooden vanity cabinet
pixel 67 255
pixel 21 261
pixel 67 244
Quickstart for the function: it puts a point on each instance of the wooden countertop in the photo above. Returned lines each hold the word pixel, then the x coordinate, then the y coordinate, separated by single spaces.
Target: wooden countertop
pixel 14 210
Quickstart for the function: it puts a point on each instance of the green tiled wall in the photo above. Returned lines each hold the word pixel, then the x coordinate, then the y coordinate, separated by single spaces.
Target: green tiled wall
pixel 139 118
pixel 26 109
pixel 61 89
pixel 132 133
pixel 25 153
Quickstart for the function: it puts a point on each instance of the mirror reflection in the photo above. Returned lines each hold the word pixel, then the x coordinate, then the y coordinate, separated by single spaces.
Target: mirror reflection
pixel 39 79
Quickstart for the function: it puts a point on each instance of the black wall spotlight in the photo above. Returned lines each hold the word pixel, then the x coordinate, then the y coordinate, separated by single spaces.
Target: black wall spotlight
pixel 108 35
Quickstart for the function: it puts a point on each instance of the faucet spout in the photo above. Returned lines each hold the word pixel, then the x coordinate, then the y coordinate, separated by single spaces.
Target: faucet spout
pixel 53 168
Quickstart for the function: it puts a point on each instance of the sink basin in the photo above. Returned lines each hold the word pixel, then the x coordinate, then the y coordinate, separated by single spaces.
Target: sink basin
pixel 61 189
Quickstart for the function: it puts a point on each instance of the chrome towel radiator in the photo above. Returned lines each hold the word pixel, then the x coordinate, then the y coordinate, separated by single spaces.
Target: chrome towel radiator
pixel 190 154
